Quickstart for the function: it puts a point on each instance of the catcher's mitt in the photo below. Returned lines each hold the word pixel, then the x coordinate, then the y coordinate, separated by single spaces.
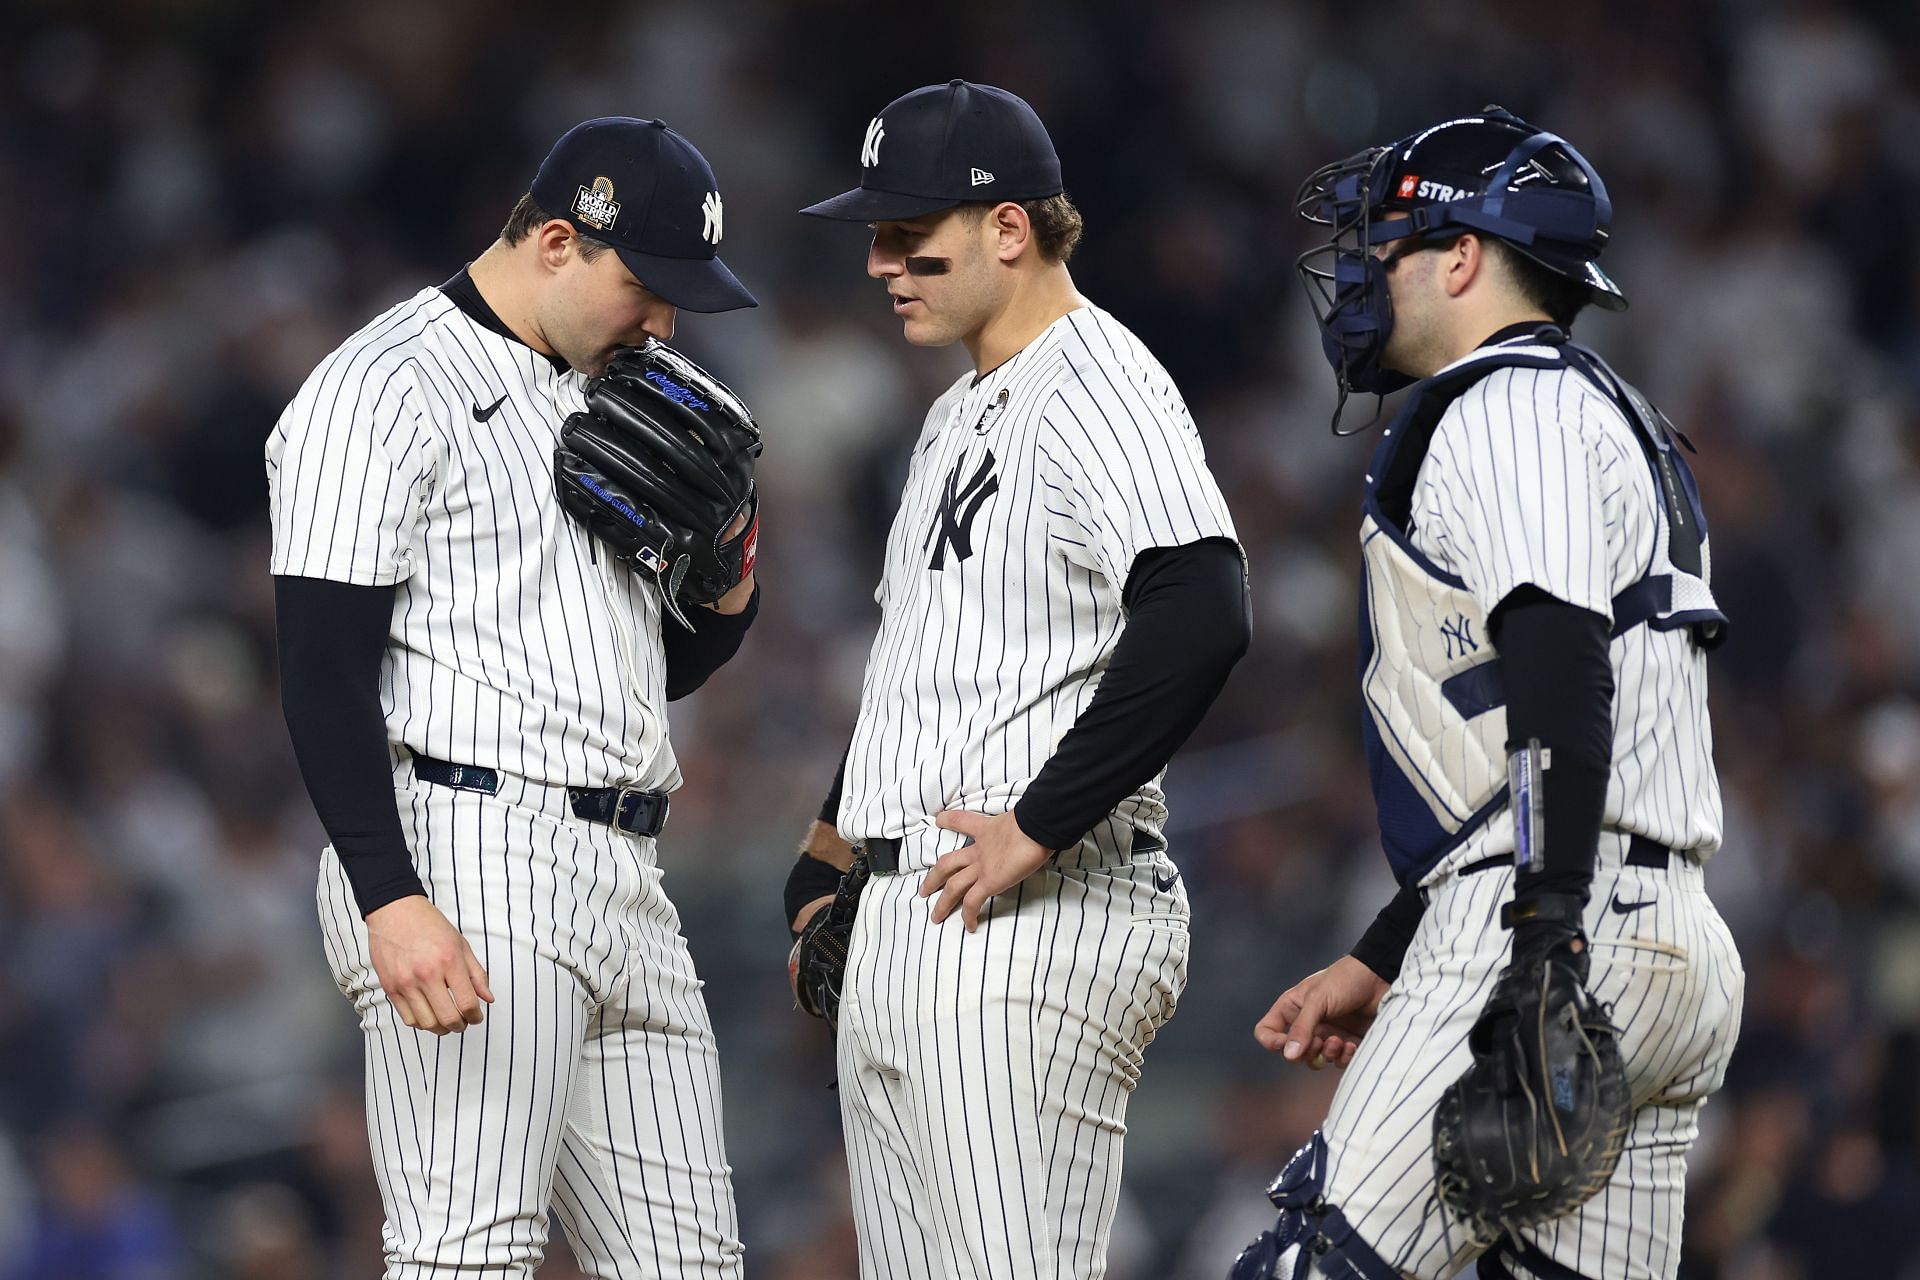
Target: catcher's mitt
pixel 659 468
pixel 817 964
pixel 1535 1126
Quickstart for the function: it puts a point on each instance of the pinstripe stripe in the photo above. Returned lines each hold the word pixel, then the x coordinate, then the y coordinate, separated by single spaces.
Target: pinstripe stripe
pixel 513 647
pixel 1584 527
pixel 473 1134
pixel 592 1083
pixel 989 1072
pixel 1679 1014
pixel 1006 1108
pixel 979 668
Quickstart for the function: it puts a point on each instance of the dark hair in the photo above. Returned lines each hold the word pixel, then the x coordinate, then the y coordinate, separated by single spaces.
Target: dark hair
pixel 528 217
pixel 1057 225
pixel 1561 297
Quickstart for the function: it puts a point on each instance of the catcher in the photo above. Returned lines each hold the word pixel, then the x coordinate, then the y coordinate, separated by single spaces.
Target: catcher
pixel 476 686
pixel 1530 1028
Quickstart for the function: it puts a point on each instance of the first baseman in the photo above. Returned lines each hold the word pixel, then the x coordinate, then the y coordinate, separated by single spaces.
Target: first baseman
pixel 1536 618
pixel 476 692
pixel 1062 597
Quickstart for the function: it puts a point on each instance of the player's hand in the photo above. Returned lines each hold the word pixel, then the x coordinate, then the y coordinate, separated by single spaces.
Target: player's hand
pixel 426 967
pixel 1000 857
pixel 799 925
pixel 1319 1021
pixel 806 913
pixel 735 601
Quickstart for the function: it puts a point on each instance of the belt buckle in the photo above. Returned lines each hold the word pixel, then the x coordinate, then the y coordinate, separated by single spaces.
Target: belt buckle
pixel 627 808
pixel 882 855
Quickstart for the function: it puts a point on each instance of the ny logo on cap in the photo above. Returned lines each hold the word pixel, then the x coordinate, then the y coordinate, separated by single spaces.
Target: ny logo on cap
pixel 710 211
pixel 870 149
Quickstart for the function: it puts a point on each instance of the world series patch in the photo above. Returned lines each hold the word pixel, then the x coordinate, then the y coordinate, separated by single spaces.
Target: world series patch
pixel 596 206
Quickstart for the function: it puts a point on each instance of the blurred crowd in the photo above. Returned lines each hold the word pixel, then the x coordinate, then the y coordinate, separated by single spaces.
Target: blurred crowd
pixel 209 195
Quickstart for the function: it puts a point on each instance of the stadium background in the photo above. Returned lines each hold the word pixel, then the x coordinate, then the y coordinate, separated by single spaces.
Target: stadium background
pixel 203 197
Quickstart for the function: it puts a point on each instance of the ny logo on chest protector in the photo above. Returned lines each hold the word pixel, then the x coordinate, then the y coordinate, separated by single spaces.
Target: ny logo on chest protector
pixel 1459 635
pixel 959 504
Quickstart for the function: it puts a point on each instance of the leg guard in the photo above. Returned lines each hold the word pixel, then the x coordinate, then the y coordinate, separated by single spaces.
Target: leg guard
pixel 1311 1237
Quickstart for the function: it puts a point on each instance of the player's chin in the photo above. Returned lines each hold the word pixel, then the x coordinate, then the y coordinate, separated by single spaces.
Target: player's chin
pixel 598 363
pixel 922 332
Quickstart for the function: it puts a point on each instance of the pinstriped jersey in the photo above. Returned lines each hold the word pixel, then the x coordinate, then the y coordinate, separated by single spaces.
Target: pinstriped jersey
pixel 1534 477
pixel 1030 491
pixel 420 454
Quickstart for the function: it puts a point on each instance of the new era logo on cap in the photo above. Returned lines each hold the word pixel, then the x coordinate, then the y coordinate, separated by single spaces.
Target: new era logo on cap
pixel 981 177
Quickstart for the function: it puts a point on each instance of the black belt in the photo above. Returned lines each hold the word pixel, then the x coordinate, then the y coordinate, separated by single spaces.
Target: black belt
pixel 883 856
pixel 883 852
pixel 1641 852
pixel 629 809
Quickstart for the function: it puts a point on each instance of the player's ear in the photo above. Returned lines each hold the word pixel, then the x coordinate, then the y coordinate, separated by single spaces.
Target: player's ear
pixel 554 241
pixel 1012 230
pixel 1465 261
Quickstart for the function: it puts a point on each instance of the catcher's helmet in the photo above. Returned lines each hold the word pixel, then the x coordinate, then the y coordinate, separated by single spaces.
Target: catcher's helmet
pixel 1493 174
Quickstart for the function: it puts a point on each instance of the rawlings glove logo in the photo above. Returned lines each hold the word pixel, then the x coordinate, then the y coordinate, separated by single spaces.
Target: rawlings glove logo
pixel 683 396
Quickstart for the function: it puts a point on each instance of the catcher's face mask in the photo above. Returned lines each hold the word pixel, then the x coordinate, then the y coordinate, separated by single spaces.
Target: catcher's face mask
pixel 1346 284
pixel 1492 174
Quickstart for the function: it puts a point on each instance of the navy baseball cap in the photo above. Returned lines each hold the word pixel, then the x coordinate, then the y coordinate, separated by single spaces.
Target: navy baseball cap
pixel 648 192
pixel 945 145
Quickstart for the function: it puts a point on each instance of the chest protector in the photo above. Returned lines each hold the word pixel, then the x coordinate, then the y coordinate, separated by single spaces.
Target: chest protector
pixel 1435 726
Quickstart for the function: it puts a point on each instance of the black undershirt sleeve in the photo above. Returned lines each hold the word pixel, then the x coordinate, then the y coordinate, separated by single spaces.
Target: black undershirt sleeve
pixel 1384 945
pixel 693 656
pixel 830 807
pixel 332 636
pixel 1189 619
pixel 1559 682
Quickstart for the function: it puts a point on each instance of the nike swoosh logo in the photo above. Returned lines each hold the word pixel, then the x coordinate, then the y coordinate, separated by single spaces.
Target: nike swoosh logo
pixel 1628 908
pixel 481 415
pixel 1167 884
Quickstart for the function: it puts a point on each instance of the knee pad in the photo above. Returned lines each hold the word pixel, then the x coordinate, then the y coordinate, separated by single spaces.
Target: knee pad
pixel 1312 1236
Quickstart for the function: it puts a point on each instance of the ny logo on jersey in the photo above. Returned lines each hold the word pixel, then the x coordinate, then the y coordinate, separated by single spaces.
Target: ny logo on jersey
pixel 953 521
pixel 1459 634
pixel 870 146
pixel 710 211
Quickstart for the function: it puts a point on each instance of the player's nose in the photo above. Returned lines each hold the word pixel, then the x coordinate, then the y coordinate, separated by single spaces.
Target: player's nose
pixel 659 321
pixel 883 264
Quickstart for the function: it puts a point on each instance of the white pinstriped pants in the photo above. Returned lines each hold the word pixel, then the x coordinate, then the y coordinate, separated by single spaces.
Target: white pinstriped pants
pixel 1669 970
pixel 984 1077
pixel 593 1084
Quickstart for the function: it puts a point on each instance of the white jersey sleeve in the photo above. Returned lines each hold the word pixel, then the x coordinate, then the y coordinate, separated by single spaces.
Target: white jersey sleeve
pixel 1121 456
pixel 1519 488
pixel 351 465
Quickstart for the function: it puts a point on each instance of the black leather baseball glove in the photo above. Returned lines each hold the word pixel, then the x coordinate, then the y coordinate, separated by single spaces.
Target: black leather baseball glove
pixel 1535 1126
pixel 659 469
pixel 817 964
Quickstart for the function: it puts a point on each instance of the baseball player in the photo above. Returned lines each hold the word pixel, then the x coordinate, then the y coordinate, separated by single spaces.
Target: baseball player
pixel 1543 1009
pixel 1063 596
pixel 476 691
